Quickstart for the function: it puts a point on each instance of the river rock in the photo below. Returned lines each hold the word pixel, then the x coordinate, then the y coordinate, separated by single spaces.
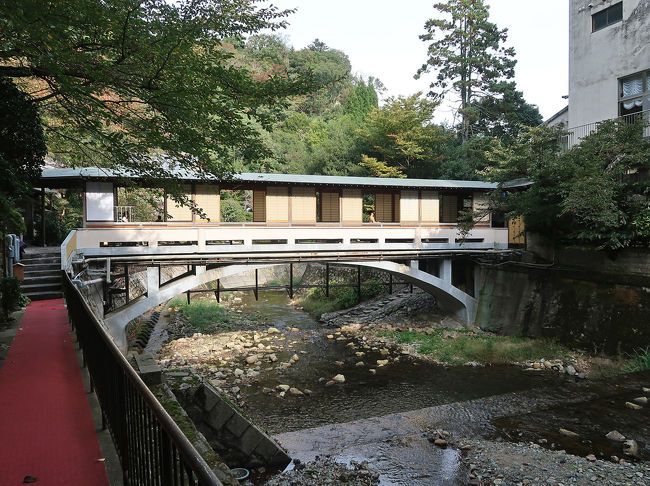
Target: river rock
pixel 537 365
pixel 633 406
pixel 330 336
pixel 339 363
pixel 372 371
pixel 616 436
pixel 359 354
pixel 282 394
pixel 591 458
pixel 360 363
pixel 252 359
pixel 307 391
pixel 631 448
pixel 273 330
pixel 382 362
pixel 645 390
pixel 283 387
pixel 569 433
pixel 330 383
pixel 570 370
pixel 273 358
pixel 548 365
pixel 238 372
pixel 295 391
pixel 295 357
pixel 384 352
pixel 641 400
pixel 339 378
pixel 440 442
pixel 235 390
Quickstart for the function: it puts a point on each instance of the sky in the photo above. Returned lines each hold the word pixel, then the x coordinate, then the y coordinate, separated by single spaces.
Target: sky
pixel 381 39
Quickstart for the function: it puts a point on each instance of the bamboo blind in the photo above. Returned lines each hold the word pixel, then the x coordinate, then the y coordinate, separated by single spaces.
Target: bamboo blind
pixel 352 206
pixel 430 207
pixel 259 205
pixel 208 199
pixel 409 207
pixel 277 204
pixel 303 205
pixel 329 207
pixel 180 213
pixel 449 208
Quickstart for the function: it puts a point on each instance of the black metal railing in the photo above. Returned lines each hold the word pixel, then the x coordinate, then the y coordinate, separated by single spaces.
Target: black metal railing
pixel 151 448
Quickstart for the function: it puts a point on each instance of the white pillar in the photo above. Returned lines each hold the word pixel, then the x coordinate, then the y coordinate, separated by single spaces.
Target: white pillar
pixel 445 270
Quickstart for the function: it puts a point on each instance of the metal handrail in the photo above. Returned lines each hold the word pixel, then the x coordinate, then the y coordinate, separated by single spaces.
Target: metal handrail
pixel 574 135
pixel 151 447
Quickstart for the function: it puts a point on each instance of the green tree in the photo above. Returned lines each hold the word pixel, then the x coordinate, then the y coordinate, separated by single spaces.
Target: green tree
pixel 596 193
pixel 361 99
pixel 120 81
pixel 468 54
pixel 506 116
pixel 401 134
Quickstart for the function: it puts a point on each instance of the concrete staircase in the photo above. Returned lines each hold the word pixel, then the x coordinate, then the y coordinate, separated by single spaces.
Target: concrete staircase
pixel 42 275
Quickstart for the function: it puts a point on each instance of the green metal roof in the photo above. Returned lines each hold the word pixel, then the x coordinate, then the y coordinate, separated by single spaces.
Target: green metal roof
pixel 56 177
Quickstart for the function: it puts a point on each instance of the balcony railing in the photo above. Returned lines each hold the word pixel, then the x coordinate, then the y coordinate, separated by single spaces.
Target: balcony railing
pixel 574 135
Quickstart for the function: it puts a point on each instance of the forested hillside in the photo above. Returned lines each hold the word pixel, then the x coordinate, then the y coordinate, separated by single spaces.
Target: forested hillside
pixel 340 129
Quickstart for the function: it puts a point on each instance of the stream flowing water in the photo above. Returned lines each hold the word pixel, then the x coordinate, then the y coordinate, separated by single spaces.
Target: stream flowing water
pixel 371 416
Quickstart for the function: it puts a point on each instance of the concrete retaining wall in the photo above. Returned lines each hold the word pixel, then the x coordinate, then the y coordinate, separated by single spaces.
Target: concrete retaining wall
pixel 591 310
pixel 229 432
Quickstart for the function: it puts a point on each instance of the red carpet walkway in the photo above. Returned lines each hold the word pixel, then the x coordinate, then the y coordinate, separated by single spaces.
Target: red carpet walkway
pixel 46 428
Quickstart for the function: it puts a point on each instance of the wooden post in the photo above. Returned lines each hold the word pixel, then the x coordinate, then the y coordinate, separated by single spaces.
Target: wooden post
pixel 327 280
pixel 188 297
pixel 217 293
pixel 291 280
pixel 256 285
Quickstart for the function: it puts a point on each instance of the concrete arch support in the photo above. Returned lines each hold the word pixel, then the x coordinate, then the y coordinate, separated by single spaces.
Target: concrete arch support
pixel 117 321
pixel 450 298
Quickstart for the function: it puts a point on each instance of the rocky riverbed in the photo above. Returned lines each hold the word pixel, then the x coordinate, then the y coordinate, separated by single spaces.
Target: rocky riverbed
pixel 289 372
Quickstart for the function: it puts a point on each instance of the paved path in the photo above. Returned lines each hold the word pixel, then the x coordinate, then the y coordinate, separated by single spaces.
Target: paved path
pixel 46 427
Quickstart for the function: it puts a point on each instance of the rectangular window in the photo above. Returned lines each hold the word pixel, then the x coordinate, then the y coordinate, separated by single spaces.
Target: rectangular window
pixel 607 17
pixel 634 94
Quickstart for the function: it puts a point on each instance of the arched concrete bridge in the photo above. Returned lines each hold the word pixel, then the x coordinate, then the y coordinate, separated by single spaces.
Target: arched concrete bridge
pixel 450 298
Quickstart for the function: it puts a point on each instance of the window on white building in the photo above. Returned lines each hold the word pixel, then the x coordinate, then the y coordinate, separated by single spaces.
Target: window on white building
pixel 607 17
pixel 634 94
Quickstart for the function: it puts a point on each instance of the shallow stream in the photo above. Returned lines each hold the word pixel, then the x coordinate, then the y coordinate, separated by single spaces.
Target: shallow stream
pixel 353 421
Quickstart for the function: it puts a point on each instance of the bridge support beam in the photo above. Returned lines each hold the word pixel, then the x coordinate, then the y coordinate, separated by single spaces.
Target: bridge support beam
pixel 450 298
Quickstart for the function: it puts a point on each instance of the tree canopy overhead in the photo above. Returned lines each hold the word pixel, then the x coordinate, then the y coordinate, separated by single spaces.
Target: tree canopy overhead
pixel 118 81
pixel 466 50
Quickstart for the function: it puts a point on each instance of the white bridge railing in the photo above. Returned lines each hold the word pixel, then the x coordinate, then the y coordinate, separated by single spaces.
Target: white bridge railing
pixel 111 242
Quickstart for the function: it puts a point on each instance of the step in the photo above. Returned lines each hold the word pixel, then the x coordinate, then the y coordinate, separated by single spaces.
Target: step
pixel 43 267
pixel 40 261
pixel 44 295
pixel 42 279
pixel 41 287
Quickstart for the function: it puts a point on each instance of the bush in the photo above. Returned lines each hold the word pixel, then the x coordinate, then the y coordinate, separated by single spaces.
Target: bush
pixel 11 296
pixel 317 303
pixel 639 360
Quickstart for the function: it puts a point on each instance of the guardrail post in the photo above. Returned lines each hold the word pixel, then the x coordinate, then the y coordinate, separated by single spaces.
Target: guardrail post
pixel 291 280
pixel 327 280
pixel 256 285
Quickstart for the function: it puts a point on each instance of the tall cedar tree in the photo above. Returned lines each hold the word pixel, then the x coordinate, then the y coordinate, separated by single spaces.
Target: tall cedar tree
pixel 468 54
pixel 120 81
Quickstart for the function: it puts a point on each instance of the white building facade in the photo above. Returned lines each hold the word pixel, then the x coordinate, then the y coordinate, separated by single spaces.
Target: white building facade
pixel 609 60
